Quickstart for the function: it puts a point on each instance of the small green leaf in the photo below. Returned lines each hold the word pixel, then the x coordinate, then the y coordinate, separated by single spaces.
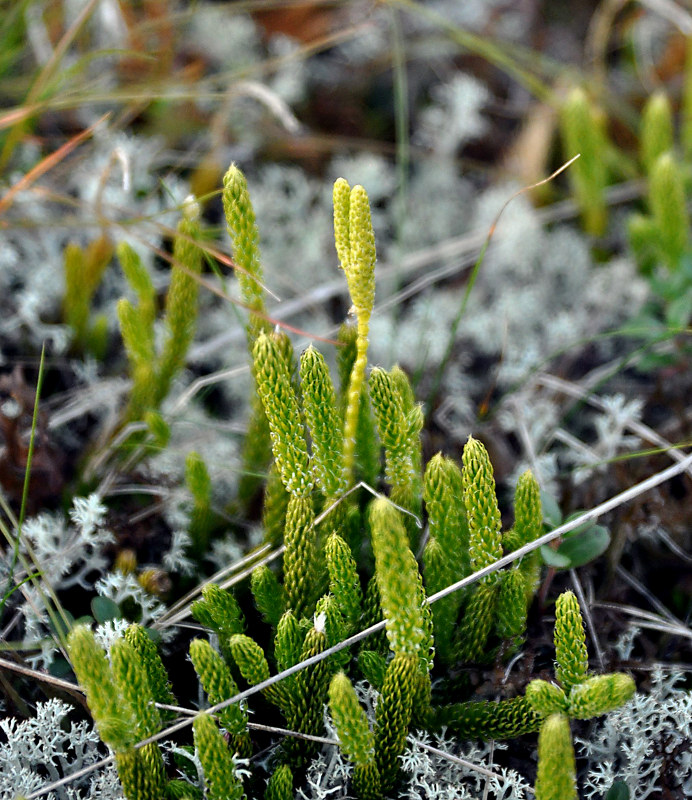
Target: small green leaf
pixel 60 667
pixel 577 547
pixel 618 791
pixel 552 516
pixel 103 609
pixel 61 624
pixel 552 558
pixel 679 310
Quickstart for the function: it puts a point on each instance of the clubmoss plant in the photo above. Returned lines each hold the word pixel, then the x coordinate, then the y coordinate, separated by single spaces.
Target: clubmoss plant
pixel 201 517
pixel 656 137
pixel 579 696
pixel 321 439
pixel 409 631
pixel 484 719
pixel 583 131
pixel 122 703
pixel 528 525
pixel 324 422
pixel 153 370
pixel 659 238
pixel 399 428
pixel 356 740
pixel 219 768
pixel 219 685
pixel 155 671
pixel 482 510
pixel 446 556
pixel 355 246
pixel 367 453
pixel 305 707
pixel 268 594
pixel 663 235
pixel 84 268
pixel 280 785
pixel 344 582
pixel 219 612
pixel 244 235
pixel 499 603
pixel 280 402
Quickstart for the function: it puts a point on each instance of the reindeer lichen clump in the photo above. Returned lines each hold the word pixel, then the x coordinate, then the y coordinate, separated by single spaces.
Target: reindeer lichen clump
pixel 324 440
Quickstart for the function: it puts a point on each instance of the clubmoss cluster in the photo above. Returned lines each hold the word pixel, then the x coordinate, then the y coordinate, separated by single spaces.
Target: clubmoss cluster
pixel 153 367
pixel 348 562
pixel 579 696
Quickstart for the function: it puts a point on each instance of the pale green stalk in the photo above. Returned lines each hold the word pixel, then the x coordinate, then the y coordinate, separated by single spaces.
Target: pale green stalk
pixel 355 245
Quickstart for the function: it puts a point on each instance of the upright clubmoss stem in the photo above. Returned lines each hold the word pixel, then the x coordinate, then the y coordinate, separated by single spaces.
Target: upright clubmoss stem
pixel 355 245
pixel 353 397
